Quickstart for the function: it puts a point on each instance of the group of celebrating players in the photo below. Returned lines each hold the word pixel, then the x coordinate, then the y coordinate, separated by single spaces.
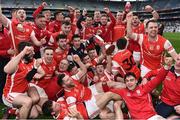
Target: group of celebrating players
pixel 80 66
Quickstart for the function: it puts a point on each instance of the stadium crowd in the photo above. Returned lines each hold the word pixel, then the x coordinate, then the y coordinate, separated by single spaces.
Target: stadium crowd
pixel 78 66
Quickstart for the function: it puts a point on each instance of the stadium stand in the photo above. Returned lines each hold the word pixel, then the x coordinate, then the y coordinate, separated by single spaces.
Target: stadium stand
pixel 168 9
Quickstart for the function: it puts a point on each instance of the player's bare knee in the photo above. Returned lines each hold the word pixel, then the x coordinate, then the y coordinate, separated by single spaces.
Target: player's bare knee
pixel 27 102
pixel 34 115
pixel 35 99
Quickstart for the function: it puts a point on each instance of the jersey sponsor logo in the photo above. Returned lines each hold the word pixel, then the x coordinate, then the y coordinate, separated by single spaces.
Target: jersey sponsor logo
pixel 27 30
pixel 151 47
pixel 138 92
pixel 168 78
pixel 128 94
pixel 158 47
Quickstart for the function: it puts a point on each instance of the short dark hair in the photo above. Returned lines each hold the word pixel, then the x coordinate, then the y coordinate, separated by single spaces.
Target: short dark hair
pixel 57 12
pixel 93 48
pixel 100 63
pixel 60 79
pixel 88 15
pixel 129 74
pixel 22 45
pixel 70 67
pixel 84 55
pixel 61 36
pixel 121 43
pixel 75 36
pixel 152 20
pixel 47 107
pixel 136 14
pixel 66 23
pixel 48 48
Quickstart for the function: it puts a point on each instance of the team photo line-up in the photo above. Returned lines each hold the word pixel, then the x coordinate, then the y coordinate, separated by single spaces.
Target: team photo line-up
pixel 87 66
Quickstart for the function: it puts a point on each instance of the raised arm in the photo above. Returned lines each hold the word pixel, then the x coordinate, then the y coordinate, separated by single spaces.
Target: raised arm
pixel 130 33
pixel 12 65
pixel 3 19
pixel 81 18
pixel 83 69
pixel 39 9
pixel 150 85
pixel 154 13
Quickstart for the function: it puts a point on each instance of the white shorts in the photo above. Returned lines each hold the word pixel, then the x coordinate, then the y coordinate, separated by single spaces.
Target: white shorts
pixel 9 99
pixel 156 117
pixel 144 70
pixel 136 56
pixel 91 107
pixel 40 90
pixel 93 89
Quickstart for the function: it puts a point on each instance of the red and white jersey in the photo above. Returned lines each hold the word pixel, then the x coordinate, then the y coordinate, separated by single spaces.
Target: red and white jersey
pixel 87 32
pixel 133 45
pixel 16 82
pixel 53 42
pixel 139 101
pixel 152 51
pixel 55 26
pixel 76 96
pixel 5 43
pixel 107 30
pixel 63 112
pixel 124 62
pixel 119 31
pixel 95 61
pixel 40 34
pixel 171 89
pixel 59 55
pixel 49 72
pixel 107 77
pixel 18 35
pixel 53 90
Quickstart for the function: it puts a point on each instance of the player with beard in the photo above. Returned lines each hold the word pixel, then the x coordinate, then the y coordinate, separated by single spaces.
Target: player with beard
pixel 17 92
pixel 93 97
